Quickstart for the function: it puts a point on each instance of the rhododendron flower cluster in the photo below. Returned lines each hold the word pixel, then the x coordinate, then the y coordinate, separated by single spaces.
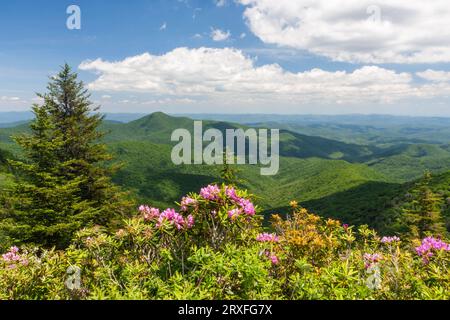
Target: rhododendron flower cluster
pixel 172 217
pixel 149 213
pixel 12 257
pixel 231 193
pixel 429 246
pixel 210 192
pixel 272 257
pixel 390 239
pixel 169 215
pixel 190 221
pixel 234 213
pixel 187 202
pixel 247 207
pixel 371 259
pixel 267 237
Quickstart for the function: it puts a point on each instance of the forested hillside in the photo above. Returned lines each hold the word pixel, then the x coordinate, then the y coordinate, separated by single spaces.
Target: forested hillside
pixel 5 176
pixel 356 183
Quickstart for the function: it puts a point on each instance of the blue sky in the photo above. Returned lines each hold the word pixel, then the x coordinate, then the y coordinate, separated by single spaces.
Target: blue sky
pixel 246 56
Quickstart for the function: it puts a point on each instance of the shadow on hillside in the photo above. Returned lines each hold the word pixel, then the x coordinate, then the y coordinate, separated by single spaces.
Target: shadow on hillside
pixel 372 203
pixel 167 186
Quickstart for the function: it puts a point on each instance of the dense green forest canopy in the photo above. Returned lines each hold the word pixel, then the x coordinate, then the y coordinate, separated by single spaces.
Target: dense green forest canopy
pixel 356 182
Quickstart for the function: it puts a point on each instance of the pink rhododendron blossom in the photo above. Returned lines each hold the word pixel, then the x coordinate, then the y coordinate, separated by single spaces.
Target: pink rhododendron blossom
pixel 233 214
pixel 149 213
pixel 210 192
pixel 168 215
pixel 231 193
pixel 186 202
pixel 429 246
pixel 173 217
pixel 248 207
pixel 190 221
pixel 12 257
pixel 371 259
pixel 267 237
pixel 390 239
pixel 274 259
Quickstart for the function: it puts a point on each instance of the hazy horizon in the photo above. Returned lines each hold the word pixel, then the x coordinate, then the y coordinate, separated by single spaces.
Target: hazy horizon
pixel 252 113
pixel 13 117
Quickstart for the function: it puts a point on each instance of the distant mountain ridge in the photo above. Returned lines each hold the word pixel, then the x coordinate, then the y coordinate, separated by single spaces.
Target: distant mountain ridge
pixel 158 128
pixel 13 117
pixel 360 119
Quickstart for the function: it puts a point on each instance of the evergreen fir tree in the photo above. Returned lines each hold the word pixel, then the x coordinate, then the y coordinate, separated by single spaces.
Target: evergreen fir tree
pixel 228 173
pixel 423 213
pixel 64 184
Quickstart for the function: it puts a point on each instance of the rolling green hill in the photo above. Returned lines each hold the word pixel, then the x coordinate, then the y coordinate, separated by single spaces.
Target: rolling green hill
pixel 377 203
pixel 401 154
pixel 309 166
pixel 158 128
pixel 352 182
pixel 149 171
pixel 406 162
pixel 400 162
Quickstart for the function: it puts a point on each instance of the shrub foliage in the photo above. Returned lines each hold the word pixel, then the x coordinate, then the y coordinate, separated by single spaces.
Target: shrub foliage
pixel 214 247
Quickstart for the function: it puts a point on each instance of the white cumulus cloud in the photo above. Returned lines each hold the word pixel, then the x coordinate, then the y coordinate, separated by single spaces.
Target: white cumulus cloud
pixel 220 35
pixel 220 3
pixel 434 75
pixel 10 99
pixel 367 31
pixel 228 74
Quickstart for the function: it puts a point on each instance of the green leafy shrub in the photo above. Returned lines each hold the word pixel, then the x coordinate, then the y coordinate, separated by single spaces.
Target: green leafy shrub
pixel 214 247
